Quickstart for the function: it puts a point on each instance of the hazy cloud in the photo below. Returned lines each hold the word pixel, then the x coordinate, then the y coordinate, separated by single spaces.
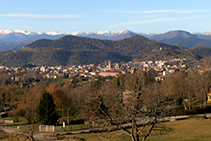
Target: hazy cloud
pixel 144 21
pixel 39 16
pixel 167 11
pixel 164 19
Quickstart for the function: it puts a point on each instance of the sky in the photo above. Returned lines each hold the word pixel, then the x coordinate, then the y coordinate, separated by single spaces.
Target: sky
pixel 143 16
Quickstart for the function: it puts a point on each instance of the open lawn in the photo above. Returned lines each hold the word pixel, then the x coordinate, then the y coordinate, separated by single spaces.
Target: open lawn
pixel 61 79
pixel 197 129
pixel 183 130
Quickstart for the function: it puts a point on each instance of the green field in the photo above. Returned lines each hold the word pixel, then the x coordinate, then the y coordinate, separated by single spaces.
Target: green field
pixel 183 130
pixel 61 79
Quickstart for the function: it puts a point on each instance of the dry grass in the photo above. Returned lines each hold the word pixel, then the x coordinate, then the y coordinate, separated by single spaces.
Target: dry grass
pixel 186 130
pixel 183 130
pixel 12 137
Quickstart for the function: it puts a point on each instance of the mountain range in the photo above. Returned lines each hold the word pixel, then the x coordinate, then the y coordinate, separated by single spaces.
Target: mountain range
pixel 16 39
pixel 184 38
pixel 54 48
pixel 71 50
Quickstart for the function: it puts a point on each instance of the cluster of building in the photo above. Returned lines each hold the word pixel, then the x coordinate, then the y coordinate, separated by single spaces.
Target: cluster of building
pixel 110 69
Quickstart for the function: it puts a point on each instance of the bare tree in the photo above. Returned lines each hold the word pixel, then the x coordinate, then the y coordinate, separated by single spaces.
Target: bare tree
pixel 131 103
pixel 30 130
pixel 177 87
pixel 202 83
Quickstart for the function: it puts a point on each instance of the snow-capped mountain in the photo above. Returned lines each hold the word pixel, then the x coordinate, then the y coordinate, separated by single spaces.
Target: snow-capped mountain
pixel 206 33
pixel 54 33
pixel 23 32
pixel 5 31
pixel 18 38
pixel 110 35
pixel 202 33
pixel 105 33
pixel 23 35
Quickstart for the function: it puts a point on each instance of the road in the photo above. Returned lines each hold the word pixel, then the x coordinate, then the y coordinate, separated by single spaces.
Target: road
pixel 37 136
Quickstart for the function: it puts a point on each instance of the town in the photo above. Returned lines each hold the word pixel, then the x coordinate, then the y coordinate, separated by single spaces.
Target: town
pixel 31 75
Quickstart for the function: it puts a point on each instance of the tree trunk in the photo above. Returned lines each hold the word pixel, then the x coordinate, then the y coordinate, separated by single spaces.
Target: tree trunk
pixel 184 105
pixel 133 138
pixel 149 132
pixel 205 100
pixel 200 103
pixel 31 137
pixel 189 102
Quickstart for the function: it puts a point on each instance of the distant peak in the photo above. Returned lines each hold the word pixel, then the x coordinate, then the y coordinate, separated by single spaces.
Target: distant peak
pixel 5 31
pixel 178 31
pixel 76 33
pixel 207 33
pixel 54 33
pixel 22 31
pixel 124 31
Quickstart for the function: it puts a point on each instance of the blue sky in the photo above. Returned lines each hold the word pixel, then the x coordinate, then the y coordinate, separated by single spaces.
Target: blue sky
pixel 146 16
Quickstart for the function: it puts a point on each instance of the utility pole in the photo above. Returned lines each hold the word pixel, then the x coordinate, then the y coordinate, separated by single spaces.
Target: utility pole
pixel 63 117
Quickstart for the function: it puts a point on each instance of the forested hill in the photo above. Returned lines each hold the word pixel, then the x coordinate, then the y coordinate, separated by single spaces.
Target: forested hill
pixel 70 50
pixel 187 42
pixel 202 51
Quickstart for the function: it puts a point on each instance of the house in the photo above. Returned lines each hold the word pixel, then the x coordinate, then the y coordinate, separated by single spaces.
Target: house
pixel 93 73
pixel 51 75
pixel 109 73
pixel 209 97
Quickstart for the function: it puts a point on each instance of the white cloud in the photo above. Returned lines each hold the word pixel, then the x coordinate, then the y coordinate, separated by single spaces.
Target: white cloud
pixel 39 16
pixel 144 21
pixel 164 19
pixel 167 11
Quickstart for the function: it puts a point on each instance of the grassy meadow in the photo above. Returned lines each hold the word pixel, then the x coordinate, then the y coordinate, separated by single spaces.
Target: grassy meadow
pixel 182 130
pixel 197 129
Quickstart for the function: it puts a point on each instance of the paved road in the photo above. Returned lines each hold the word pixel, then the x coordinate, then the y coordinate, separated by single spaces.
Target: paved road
pixel 38 136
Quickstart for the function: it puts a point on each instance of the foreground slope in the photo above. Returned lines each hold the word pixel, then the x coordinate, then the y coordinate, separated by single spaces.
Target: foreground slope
pixel 70 50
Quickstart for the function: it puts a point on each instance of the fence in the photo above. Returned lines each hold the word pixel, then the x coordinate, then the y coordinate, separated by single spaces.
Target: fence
pixel 47 128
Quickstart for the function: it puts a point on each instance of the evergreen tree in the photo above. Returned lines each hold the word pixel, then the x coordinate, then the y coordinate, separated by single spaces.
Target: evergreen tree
pixel 46 110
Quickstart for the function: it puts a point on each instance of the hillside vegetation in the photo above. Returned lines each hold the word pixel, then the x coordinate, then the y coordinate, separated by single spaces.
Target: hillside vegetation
pixel 70 50
pixel 201 51
pixel 187 42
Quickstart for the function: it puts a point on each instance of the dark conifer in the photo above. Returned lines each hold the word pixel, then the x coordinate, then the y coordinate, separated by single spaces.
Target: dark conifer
pixel 46 110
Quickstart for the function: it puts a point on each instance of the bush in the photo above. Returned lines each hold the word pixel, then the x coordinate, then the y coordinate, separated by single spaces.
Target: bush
pixel 13 136
pixel 197 117
pixel 182 111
